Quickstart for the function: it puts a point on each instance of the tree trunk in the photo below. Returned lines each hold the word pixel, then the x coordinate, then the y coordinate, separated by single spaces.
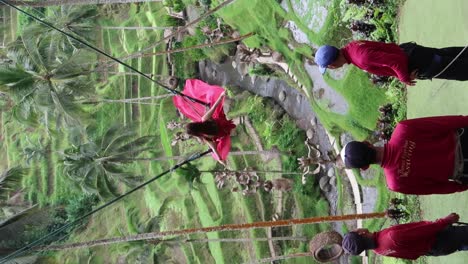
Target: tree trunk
pixel 136 28
pixel 74 2
pixel 232 153
pixel 234 240
pixel 228 227
pixel 254 171
pixel 126 101
pixel 297 255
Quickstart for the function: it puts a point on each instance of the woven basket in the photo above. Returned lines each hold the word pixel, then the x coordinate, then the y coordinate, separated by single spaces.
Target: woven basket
pixel 326 246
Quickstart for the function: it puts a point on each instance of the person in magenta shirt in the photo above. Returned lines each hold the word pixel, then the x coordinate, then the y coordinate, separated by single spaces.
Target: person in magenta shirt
pixel 423 156
pixel 407 61
pixel 411 241
pixel 210 125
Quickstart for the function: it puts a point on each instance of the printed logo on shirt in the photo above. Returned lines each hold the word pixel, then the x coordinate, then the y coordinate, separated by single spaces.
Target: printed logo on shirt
pixel 405 166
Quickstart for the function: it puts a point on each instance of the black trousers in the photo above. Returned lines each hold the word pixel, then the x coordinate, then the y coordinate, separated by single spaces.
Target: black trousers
pixel 431 61
pixel 464 146
pixel 450 240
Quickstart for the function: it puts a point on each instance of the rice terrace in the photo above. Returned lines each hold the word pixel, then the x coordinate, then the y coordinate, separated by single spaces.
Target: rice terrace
pixel 234 131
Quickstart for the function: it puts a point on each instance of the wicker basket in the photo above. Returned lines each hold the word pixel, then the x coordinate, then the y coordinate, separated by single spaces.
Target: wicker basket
pixel 326 246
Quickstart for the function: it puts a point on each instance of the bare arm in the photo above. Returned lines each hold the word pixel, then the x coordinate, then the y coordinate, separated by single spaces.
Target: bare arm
pixel 207 115
pixel 212 146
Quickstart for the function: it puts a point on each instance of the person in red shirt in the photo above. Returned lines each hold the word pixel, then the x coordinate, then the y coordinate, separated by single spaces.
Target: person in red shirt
pixel 407 61
pixel 211 126
pixel 411 241
pixel 423 156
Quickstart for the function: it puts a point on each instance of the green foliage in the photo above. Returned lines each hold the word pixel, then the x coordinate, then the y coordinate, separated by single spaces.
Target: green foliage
pixel 25 21
pixel 205 3
pixel 44 83
pixel 168 3
pixel 80 205
pixel 382 16
pixel 261 70
pixel 170 21
pixel 184 66
pixel 179 5
pixel 98 167
pixel 396 93
pixel 10 181
pixel 191 174
pixel 195 54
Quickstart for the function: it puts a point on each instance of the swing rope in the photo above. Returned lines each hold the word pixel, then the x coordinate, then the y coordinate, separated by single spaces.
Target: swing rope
pixel 102 53
pixel 37 242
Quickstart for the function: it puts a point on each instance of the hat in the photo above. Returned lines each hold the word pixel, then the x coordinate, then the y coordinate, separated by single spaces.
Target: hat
pixel 325 56
pixel 354 244
pixel 357 154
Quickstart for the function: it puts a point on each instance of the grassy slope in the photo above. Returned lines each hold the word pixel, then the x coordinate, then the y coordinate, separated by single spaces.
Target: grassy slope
pixel 265 21
pixel 205 206
pixel 447 26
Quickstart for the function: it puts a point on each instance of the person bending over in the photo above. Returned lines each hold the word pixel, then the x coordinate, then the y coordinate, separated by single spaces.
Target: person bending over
pixel 423 156
pixel 407 62
pixel 411 241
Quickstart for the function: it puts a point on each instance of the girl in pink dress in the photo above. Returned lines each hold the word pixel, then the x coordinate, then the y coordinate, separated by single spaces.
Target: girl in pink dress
pixel 211 126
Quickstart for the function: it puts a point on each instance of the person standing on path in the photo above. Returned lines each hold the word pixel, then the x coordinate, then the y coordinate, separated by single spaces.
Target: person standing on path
pixel 411 241
pixel 407 62
pixel 423 156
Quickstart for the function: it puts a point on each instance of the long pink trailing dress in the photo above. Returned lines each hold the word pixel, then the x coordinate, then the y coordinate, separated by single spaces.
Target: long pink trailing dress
pixel 195 111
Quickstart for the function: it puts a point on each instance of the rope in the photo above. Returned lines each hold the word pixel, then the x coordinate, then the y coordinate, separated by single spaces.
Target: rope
pixel 77 221
pixel 219 228
pixel 450 64
pixel 102 53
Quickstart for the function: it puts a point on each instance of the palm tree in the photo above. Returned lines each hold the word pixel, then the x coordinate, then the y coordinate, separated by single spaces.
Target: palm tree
pixel 44 82
pixel 135 28
pixel 97 167
pixel 77 20
pixel 10 180
pixel 228 227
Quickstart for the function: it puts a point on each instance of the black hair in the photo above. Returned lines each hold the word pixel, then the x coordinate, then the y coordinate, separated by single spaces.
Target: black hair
pixel 199 129
pixel 354 243
pixel 359 155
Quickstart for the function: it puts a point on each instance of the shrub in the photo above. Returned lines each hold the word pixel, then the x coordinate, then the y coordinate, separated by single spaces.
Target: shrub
pixel 206 3
pixel 261 70
pixel 78 206
pixel 194 54
pixel 168 3
pixel 179 6
pixel 170 21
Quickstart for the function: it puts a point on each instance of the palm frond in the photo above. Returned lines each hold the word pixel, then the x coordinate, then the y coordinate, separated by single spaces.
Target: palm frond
pixel 25 114
pixel 10 180
pixel 137 145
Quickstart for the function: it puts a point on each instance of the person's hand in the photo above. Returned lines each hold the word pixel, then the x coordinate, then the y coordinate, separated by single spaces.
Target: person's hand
pixel 453 218
pixel 414 75
pixel 222 163
pixel 410 83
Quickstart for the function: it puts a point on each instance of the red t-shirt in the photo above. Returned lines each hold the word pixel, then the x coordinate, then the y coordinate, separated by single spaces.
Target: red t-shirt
pixel 420 156
pixel 408 241
pixel 384 59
